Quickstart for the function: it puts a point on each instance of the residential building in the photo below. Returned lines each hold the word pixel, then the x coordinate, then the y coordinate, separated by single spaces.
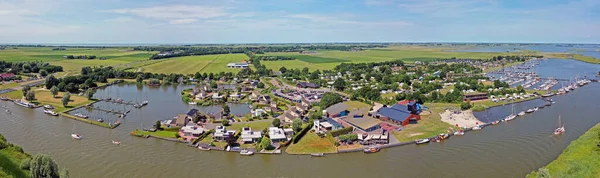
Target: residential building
pixel 222 134
pixel 277 135
pixel 307 85
pixel 192 113
pixel 258 112
pixel 181 120
pixel 217 97
pixel 249 136
pixel 191 132
pixel 238 65
pixel 303 109
pixel 337 110
pixel 288 117
pixel 7 76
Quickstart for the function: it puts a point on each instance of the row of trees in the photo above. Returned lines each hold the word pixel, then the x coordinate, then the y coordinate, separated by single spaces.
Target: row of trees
pixel 273 58
pixel 83 57
pixel 29 67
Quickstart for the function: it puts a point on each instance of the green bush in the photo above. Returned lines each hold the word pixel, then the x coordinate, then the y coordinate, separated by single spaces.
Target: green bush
pixel 339 132
pixel 348 137
pixel 465 105
pixel 3 144
pixel 25 163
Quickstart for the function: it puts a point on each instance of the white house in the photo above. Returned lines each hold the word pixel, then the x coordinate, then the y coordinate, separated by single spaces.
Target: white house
pixel 277 135
pixel 249 136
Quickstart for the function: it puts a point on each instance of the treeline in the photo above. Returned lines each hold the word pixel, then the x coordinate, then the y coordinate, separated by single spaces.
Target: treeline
pixel 343 67
pixel 83 57
pixel 29 67
pixel 273 58
pixel 515 58
pixel 59 49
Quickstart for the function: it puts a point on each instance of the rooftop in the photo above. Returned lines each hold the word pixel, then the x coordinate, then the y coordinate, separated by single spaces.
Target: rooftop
pixel 276 133
pixel 337 108
pixel 363 122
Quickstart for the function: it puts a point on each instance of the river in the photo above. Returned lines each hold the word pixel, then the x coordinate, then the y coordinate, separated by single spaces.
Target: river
pixel 583 49
pixel 510 149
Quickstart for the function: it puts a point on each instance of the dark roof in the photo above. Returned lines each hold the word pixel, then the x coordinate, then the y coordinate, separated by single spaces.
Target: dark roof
pixel 393 114
pixel 337 108
pixel 401 107
pixel 308 84
pixel 267 97
pixel 474 94
pixel 192 112
pixel 334 123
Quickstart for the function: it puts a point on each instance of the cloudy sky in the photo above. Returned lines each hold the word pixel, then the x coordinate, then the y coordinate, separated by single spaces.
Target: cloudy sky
pixel 281 21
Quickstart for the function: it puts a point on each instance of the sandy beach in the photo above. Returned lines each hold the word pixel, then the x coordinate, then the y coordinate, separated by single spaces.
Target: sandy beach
pixel 462 118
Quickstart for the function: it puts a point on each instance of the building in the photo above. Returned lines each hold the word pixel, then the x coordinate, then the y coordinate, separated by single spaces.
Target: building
pixel 277 135
pixel 288 116
pixel 307 85
pixel 327 124
pixel 181 120
pixel 400 114
pixel 217 97
pixel 240 65
pixel 222 134
pixel 193 113
pixel 191 132
pixel 258 112
pixel 475 96
pixel 7 76
pixel 337 110
pixel 302 108
pixel 249 136
pixel 357 119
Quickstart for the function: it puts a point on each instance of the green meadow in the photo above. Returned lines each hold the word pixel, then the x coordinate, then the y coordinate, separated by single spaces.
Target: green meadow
pixel 193 64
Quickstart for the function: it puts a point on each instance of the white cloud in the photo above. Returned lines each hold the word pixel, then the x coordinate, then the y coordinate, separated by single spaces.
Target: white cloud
pixel 347 19
pixel 174 12
pixel 182 21
pixel 120 19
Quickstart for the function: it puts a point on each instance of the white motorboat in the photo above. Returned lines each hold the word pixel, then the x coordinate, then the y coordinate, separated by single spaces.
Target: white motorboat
pixel 48 106
pixel 246 152
pixel 192 103
pixel 116 142
pixel 529 111
pixel 50 112
pixel 460 132
pixel 560 129
pixel 535 109
pixel 477 127
pixel 521 113
pixel 422 141
pixel 76 136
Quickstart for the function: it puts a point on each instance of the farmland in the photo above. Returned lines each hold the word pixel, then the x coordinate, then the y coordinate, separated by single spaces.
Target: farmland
pixel 114 56
pixel 193 64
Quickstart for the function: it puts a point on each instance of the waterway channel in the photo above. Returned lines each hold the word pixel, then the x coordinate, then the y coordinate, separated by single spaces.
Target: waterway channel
pixel 510 149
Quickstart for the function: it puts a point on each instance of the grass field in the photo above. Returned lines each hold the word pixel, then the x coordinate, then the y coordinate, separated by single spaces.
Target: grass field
pixel 158 133
pixel 10 161
pixel 45 97
pixel 430 125
pixel 6 85
pixel 580 159
pixel 312 143
pixel 356 105
pixel 193 64
pixel 114 56
pixel 17 94
pixel 254 125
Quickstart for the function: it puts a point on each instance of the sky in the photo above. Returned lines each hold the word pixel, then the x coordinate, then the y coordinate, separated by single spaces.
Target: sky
pixel 299 21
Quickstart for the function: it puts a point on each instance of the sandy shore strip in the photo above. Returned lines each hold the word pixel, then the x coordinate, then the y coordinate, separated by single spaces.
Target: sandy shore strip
pixel 462 118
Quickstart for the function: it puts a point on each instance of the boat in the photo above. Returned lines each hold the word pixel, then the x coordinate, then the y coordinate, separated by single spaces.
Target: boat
pixel 192 103
pixel 547 95
pixel 246 152
pixel 48 106
pixel 477 127
pixel 80 115
pixel 100 120
pixel 205 148
pixel 76 136
pixel 512 115
pixel 521 113
pixel 371 150
pixel 529 111
pixel 317 154
pixel 422 141
pixel 548 103
pixel 443 136
pixel 535 109
pixel 460 132
pixel 495 122
pixel 8 111
pixel 116 142
pixel 27 105
pixel 50 112
pixel 561 127
pixel 137 105
pixel 144 103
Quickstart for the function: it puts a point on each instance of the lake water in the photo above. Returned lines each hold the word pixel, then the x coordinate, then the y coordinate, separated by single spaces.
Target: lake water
pixel 586 50
pixel 510 149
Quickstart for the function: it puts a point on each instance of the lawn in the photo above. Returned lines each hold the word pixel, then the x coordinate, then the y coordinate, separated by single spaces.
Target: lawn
pixel 209 139
pixel 430 124
pixel 580 159
pixel 193 64
pixel 254 125
pixel 17 94
pixel 158 133
pixel 6 85
pixel 45 97
pixel 356 105
pixel 312 143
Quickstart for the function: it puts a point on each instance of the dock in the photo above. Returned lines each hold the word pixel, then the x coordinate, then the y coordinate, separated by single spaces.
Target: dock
pixel 109 111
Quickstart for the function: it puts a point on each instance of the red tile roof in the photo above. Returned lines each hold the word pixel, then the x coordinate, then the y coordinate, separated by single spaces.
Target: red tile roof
pixel 7 75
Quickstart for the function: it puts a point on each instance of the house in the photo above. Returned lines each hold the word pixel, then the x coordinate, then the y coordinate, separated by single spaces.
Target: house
pixel 266 99
pixel 327 124
pixel 277 135
pixel 191 132
pixel 217 97
pixel 240 65
pixel 249 136
pixel 303 109
pixel 288 132
pixel 235 96
pixel 305 102
pixel 288 116
pixel 202 95
pixel 192 113
pixel 334 124
pixel 274 107
pixel 307 85
pixel 337 110
pixel 475 96
pixel 222 134
pixel 255 96
pixel 258 112
pixel 254 84
pixel 7 76
pixel 181 120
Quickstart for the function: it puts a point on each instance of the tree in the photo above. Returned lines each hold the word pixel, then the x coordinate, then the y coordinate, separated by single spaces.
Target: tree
pixel 62 86
pixel 330 99
pixel 25 163
pixel 139 78
pixel 520 89
pixel 42 165
pixel 30 95
pixel 157 125
pixel 43 73
pixel 465 105
pixel 64 173
pixel 339 84
pixel 297 125
pixel 315 116
pixel 66 98
pixel 25 89
pixel 282 69
pixel 543 173
pixel 54 91
pixel 51 81
pixel 225 122
pixel 276 122
pixel 305 70
pixel 90 94
pixel 226 109
pixel 265 142
pixel 260 85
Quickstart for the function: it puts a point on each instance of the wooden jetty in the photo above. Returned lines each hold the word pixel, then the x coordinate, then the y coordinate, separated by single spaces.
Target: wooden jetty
pixel 109 111
pixel 122 102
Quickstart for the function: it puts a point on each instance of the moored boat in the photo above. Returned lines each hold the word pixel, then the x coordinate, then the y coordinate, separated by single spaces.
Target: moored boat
pixel 422 141
pixel 529 111
pixel 48 106
pixel 477 127
pixel 317 154
pixel 192 103
pixel 371 150
pixel 50 112
pixel 495 122
pixel 205 148
pixel 246 152
pixel 460 132
pixel 521 113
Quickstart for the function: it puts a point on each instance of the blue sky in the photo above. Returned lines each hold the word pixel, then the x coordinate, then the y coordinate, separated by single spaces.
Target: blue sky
pixel 282 21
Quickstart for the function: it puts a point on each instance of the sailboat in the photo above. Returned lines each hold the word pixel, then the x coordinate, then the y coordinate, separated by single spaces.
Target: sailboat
pixel 561 127
pixel 75 135
pixel 512 115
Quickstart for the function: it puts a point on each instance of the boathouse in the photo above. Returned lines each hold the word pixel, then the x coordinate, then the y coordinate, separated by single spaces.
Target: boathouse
pixel 475 96
pixel 400 114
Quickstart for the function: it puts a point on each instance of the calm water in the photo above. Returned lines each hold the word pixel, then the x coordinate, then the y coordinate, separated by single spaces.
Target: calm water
pixel 586 50
pixel 506 150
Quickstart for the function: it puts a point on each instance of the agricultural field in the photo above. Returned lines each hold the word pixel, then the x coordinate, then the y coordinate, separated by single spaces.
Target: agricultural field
pixel 193 64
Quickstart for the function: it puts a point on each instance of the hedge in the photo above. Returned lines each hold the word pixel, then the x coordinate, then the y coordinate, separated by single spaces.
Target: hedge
pixel 301 134
pixel 343 131
pixel 204 135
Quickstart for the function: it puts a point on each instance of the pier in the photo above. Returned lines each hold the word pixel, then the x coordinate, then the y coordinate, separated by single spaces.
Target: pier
pixel 122 102
pixel 110 111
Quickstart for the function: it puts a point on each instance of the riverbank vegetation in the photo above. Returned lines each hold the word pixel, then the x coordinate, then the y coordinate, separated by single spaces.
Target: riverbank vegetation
pixel 16 163
pixel 580 159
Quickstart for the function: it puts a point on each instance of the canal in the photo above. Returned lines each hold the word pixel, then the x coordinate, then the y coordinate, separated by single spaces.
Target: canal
pixel 510 149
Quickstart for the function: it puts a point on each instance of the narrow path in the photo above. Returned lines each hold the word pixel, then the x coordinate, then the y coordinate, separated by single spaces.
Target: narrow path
pixel 209 63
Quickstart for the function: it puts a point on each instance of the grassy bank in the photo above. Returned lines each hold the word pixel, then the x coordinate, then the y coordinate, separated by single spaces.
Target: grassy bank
pixel 587 59
pixel 580 159
pixel 45 97
pixel 17 94
pixel 101 124
pixel 254 125
pixel 430 124
pixel 312 143
pixel 11 157
pixel 158 133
